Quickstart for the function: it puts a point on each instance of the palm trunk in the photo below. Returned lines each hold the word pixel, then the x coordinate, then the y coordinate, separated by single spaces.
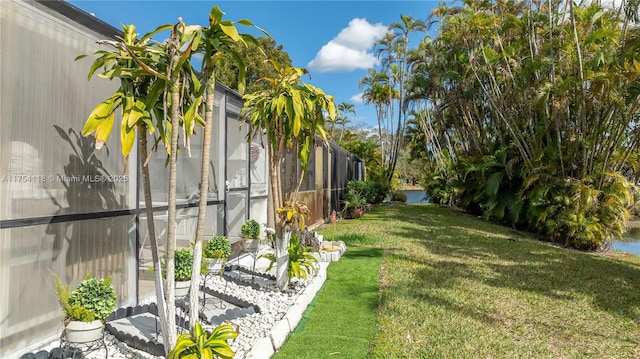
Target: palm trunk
pixel 202 205
pixel 171 214
pixel 276 157
pixel 148 205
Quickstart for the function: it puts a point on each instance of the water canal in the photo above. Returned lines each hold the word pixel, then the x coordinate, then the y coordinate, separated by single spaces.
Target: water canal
pixel 630 242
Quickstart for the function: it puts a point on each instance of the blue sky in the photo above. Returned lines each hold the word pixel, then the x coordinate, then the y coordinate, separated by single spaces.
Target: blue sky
pixel 332 39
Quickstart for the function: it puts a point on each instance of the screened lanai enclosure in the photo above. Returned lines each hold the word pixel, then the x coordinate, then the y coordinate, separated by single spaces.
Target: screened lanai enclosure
pixel 67 210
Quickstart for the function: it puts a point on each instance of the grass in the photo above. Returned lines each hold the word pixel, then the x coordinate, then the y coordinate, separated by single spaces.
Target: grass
pixel 342 322
pixel 454 286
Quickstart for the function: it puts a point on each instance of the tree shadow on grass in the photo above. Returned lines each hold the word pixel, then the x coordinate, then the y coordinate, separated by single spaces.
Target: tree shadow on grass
pixel 352 238
pixel 479 251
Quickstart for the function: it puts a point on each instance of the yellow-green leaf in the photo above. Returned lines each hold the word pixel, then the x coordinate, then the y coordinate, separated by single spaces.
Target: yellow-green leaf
pixel 215 16
pixel 104 130
pixel 136 113
pixel 99 112
pixel 127 138
pixel 190 116
pixel 231 31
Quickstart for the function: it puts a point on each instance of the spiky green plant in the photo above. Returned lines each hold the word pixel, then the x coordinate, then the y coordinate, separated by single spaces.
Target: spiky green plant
pixel 301 261
pixel 201 345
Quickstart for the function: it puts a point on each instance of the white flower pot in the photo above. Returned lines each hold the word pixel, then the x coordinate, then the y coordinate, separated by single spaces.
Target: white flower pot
pixel 182 288
pixel 216 266
pixel 83 332
pixel 251 245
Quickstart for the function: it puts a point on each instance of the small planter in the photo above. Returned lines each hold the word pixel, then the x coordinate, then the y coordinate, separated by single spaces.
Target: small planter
pixel 251 245
pixel 356 213
pixel 182 288
pixel 216 265
pixel 83 332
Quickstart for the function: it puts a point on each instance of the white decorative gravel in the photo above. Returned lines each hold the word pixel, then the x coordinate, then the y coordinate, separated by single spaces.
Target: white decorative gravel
pixel 273 306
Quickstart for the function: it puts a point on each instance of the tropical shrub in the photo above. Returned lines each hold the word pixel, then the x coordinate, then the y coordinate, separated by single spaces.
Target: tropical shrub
pixel 201 345
pixel 373 191
pixel 585 214
pixel 250 229
pixel 301 261
pixel 183 264
pixel 217 247
pixel 93 299
pixel 377 191
pixel 580 213
pixel 354 199
pixel 439 187
pixel 398 196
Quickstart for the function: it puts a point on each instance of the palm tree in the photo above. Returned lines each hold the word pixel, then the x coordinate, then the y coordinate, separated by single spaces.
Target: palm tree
pixel 220 41
pixel 547 84
pixel 394 49
pixel 342 119
pixel 292 113
pixel 142 69
pixel 379 92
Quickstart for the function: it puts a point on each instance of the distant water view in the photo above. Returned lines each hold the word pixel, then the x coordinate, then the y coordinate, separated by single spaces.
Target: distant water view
pixel 415 196
pixel 629 243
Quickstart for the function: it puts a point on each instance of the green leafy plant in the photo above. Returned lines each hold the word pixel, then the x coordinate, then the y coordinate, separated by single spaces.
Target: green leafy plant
pixel 373 191
pixel 217 247
pixel 183 264
pixel 354 199
pixel 301 261
pixel 250 229
pixel 93 299
pixel 200 345
pixel 294 214
pixel 398 196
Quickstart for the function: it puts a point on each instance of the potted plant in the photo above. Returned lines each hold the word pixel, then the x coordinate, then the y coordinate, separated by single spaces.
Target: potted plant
pixel 217 250
pixel 183 263
pixel 354 203
pixel 250 229
pixel 85 308
pixel 250 232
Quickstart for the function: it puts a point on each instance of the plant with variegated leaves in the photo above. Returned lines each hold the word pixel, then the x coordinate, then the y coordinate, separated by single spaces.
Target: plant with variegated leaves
pixel 291 113
pixel 199 344
pixel 153 78
pixel 301 261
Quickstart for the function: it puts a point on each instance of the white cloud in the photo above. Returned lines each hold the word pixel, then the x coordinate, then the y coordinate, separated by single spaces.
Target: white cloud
pixel 357 98
pixel 351 49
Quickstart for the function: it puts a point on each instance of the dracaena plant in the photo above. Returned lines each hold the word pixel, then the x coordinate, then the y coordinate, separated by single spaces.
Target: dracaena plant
pixel 199 344
pixel 301 261
pixel 151 75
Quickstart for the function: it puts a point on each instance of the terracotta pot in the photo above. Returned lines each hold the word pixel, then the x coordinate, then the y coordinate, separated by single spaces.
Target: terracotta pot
pixel 83 332
pixel 356 213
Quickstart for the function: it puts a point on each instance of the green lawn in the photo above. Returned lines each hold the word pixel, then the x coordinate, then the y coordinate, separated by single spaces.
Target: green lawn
pixel 454 286
pixel 341 320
